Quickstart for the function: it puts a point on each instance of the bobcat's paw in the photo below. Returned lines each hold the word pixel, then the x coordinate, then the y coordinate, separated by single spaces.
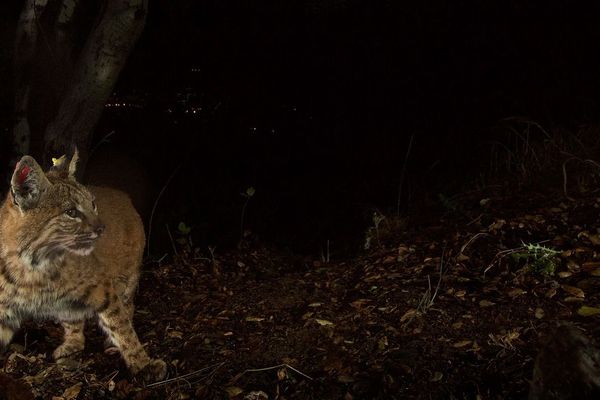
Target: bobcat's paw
pixel 67 350
pixel 154 371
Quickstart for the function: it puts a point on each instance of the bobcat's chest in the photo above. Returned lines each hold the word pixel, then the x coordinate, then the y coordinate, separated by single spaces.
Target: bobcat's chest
pixel 48 305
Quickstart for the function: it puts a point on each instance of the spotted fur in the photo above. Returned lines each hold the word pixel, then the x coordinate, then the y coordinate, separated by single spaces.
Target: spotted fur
pixel 71 253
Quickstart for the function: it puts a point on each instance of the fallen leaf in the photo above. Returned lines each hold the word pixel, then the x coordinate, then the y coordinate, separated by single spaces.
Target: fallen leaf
pixel 564 274
pixel 590 265
pixel 409 314
pixel 72 392
pixel 539 313
pixel 358 304
pixel 516 293
pixel 551 292
pixel 382 343
pixel 389 259
pixel 462 343
pixel 462 257
pixel 254 319
pixel 233 391
pixel 324 322
pixel 437 376
pixel 572 299
pixel 573 291
pixel 175 334
pixel 587 311
pixel 256 395
pixel 486 303
pixel 345 379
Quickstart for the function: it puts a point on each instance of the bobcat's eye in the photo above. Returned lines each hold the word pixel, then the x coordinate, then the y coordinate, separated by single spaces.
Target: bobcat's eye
pixel 72 212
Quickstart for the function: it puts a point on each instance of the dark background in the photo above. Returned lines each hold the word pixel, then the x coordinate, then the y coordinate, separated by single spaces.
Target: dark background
pixel 313 103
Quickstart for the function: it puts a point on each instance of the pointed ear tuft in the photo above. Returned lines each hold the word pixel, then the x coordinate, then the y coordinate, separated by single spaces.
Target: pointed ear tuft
pixel 73 163
pixel 64 169
pixel 28 183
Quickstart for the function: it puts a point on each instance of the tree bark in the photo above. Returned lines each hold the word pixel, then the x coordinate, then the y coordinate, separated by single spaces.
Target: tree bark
pixel 94 77
pixel 25 46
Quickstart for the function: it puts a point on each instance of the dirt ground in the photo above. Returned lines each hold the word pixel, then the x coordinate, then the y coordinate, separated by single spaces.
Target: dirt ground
pixel 450 305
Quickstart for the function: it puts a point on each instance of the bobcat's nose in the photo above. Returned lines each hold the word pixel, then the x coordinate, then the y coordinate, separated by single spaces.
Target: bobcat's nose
pixel 99 229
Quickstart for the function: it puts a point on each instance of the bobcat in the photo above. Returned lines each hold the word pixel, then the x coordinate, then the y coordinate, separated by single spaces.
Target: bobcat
pixel 69 253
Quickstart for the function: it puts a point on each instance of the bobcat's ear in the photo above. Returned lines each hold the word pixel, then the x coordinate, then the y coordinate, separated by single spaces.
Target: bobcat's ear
pixel 73 164
pixel 63 168
pixel 28 183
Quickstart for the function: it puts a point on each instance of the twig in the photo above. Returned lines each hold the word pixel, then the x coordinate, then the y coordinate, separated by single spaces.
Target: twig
pixel 275 367
pixel 564 171
pixel 403 173
pixel 242 222
pixel 184 377
pixel 472 239
pixel 169 179
pixel 171 239
pixel 105 139
pixel 503 253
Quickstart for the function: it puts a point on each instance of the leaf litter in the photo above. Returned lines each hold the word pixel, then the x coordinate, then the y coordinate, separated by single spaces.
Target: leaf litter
pixel 439 310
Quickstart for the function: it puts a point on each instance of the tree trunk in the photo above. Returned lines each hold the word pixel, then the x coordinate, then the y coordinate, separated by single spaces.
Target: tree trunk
pixel 66 68
pixel 25 47
pixel 95 75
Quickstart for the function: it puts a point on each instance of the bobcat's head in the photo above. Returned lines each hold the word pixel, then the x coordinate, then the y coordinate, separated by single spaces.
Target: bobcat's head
pixel 54 213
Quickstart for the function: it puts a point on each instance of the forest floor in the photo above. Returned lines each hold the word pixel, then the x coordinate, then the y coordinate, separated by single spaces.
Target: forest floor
pixel 453 305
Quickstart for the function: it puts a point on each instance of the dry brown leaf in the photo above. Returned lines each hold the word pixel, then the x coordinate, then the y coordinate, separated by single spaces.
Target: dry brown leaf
pixel 486 303
pixel 590 265
pixel 539 313
pixel 409 314
pixel 564 274
pixel 358 304
pixel 437 376
pixel 175 334
pixel 573 291
pixel 572 299
pixel 457 325
pixel 586 311
pixel 256 395
pixel 233 391
pixel 595 239
pixel 324 322
pixel 462 257
pixel 551 293
pixel 389 259
pixel 254 319
pixel 462 343
pixel 72 392
pixel 516 293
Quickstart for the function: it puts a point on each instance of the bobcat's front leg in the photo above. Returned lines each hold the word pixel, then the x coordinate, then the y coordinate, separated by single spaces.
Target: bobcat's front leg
pixel 116 321
pixel 74 340
pixel 9 324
